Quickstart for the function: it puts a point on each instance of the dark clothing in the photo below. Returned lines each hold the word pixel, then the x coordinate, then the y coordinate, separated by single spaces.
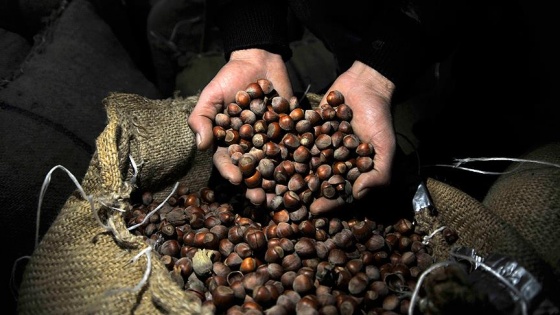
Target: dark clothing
pixel 397 38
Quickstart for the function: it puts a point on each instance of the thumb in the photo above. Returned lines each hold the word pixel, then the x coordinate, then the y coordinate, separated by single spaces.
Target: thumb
pixel 201 123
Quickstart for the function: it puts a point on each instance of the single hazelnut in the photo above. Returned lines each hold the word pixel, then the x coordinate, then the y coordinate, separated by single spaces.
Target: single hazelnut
pixel 335 98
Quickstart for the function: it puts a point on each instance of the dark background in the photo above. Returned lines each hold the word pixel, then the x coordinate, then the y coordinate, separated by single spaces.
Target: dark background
pixel 494 97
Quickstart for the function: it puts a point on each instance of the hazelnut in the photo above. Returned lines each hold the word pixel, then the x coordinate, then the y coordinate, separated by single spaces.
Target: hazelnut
pixel 223 297
pixel 242 98
pixel 266 86
pixel 305 247
pixel 335 98
pixel 254 90
pixel 280 105
pixel 302 284
pixel 248 264
pixel 258 106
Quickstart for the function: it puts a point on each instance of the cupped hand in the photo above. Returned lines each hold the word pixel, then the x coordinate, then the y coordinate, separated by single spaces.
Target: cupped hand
pixel 369 94
pixel 244 67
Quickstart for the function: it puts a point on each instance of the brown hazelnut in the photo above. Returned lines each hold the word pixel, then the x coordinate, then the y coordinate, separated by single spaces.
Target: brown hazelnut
pixel 357 285
pixel 291 141
pixel 303 126
pixel 280 105
pixel 242 98
pixel 254 90
pixel 305 247
pixel 364 149
pixel 258 106
pixel 266 86
pixel 170 247
pixel 287 278
pixel 286 122
pixel 249 264
pixel 291 262
pixel 185 265
pixel 254 180
pixel 364 164
pixel 274 254
pixel 302 284
pixel 222 120
pixel 233 109
pixel 256 239
pixel 335 98
pixel 344 112
pixel 337 257
pixel 223 297
pixel 270 116
pixel 254 279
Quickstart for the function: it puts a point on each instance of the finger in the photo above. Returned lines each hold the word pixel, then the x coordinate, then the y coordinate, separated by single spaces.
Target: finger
pixel 283 89
pixel 324 99
pixel 380 175
pixel 278 76
pixel 227 169
pixel 202 118
pixel 323 205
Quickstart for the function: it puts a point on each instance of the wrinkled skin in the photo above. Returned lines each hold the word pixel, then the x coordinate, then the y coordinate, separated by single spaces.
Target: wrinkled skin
pixel 366 91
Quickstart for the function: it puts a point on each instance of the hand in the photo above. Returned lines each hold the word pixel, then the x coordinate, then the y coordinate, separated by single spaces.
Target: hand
pixel 369 94
pixel 243 68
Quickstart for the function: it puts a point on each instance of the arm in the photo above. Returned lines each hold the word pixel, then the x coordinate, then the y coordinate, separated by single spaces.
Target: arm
pixel 369 95
pixel 255 47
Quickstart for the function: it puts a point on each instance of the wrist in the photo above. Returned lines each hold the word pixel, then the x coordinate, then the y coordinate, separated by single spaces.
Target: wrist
pixel 365 73
pixel 254 54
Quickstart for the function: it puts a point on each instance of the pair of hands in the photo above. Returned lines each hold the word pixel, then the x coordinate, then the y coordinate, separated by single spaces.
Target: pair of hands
pixel 366 91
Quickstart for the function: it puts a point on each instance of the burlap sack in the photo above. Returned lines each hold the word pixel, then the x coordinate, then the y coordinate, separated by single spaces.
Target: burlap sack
pixel 83 265
pixel 86 264
pixel 479 228
pixel 527 197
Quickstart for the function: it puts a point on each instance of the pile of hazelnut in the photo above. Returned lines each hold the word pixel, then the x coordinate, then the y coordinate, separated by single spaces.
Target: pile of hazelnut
pixel 239 259
pixel 298 154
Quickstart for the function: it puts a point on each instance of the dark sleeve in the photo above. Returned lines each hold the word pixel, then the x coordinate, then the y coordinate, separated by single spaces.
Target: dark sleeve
pixel 393 46
pixel 400 39
pixel 404 41
pixel 252 24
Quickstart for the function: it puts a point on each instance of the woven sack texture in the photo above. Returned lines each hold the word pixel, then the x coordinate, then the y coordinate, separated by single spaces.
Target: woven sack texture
pixel 83 264
pixel 86 263
pixel 527 197
pixel 478 228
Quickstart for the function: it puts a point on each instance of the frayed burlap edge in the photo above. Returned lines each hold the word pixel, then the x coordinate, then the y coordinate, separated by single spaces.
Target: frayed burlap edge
pixel 88 262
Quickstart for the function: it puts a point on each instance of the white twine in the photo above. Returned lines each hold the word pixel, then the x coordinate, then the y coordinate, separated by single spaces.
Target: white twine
pixel 426 239
pixel 517 296
pixel 44 187
pixel 516 293
pixel 91 200
pixel 146 251
pixel 459 162
pixel 131 182
pixel 135 170
pixel 13 285
pixel 156 209
pixel 424 274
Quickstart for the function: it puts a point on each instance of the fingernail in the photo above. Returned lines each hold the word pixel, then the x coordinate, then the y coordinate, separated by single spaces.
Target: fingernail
pixel 198 140
pixel 363 193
